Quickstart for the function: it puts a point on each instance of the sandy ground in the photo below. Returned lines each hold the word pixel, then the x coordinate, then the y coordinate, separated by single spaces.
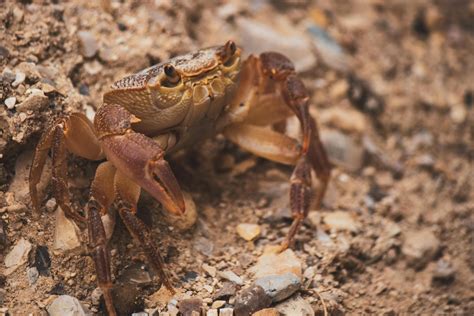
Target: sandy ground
pixel 402 239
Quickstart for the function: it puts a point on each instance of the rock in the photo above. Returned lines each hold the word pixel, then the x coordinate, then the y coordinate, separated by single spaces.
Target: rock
pixel 65 236
pixel 347 119
pixel 228 290
pixel 209 270
pixel 218 304
pixel 250 300
pixel 88 43
pixel 231 276
pixel 10 103
pixel 189 307
pixel 340 220
pixel 257 37
pixel 342 150
pixel 42 261
pixel 35 102
pixel 137 274
pixel 444 272
pixel 17 256
pixel 329 50
pixel 161 297
pixel 3 236
pixel 419 247
pixel 296 306
pixel 226 312
pixel 267 312
pixel 8 75
pixel 66 305
pixel 274 263
pixel 140 314
pixel 204 246
pixel 3 293
pixel 212 312
pixel 185 222
pixel 248 231
pixel 32 274
pixel 458 113
pixel 19 78
pixel 279 287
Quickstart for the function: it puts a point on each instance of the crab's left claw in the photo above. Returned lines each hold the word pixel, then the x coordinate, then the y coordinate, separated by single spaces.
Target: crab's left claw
pixel 138 157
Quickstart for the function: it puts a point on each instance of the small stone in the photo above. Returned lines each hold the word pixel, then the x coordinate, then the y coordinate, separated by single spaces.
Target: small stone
pixel 65 235
pixel 35 102
pixel 419 247
pixel 88 43
pixel 458 113
pixel 204 246
pixel 274 263
pixel 140 314
pixel 231 276
pixel 51 205
pixel 329 50
pixel 218 304
pixel 32 274
pixel 137 274
pixel 279 287
pixel 161 297
pixel 228 290
pixel 267 312
pixel 250 300
pixel 66 305
pixel 42 260
pixel 3 236
pixel 346 119
pixel 209 270
pixel 296 306
pixel 444 272
pixel 17 256
pixel 342 150
pixel 212 312
pixel 10 102
pixel 227 312
pixel 340 220
pixel 19 79
pixel 8 75
pixel 185 222
pixel 248 231
pixel 187 307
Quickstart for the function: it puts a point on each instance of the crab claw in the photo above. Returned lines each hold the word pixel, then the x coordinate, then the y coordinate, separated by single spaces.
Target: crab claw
pixel 138 157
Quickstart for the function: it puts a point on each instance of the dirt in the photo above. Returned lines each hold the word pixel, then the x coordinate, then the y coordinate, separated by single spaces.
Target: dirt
pixel 415 173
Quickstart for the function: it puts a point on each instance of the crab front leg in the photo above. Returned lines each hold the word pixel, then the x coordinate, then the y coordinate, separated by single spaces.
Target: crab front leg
pixel 75 134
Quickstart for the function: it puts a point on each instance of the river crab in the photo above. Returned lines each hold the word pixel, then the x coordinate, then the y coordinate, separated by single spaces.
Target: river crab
pixel 168 107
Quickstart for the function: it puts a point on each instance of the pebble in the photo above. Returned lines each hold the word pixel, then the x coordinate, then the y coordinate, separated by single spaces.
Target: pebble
pixel 257 37
pixel 296 306
pixel 212 312
pixel 250 300
pixel 88 43
pixel 444 272
pixel 32 274
pixel 228 290
pixel 3 236
pixel 346 119
pixel 227 312
pixel 10 103
pixel 65 235
pixel 274 263
pixel 19 79
pixel 189 307
pixel 342 150
pixel 8 75
pixel 218 304
pixel 231 276
pixel 340 220
pixel 35 102
pixel 17 256
pixel 204 246
pixel 279 287
pixel 267 312
pixel 42 260
pixel 209 270
pixel 66 305
pixel 329 50
pixel 419 247
pixel 51 205
pixel 248 231
pixel 140 314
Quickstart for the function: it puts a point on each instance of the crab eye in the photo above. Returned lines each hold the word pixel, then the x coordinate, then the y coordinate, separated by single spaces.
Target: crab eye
pixel 227 53
pixel 172 76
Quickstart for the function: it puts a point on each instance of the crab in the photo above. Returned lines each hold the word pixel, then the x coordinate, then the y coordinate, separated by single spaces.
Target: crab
pixel 168 107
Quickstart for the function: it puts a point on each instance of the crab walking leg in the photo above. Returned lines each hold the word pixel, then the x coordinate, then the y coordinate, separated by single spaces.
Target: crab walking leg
pixel 138 157
pixel 127 199
pixel 277 67
pixel 59 139
pixel 102 196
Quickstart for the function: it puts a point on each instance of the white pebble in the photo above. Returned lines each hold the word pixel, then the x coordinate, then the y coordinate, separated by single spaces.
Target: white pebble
pixel 10 102
pixel 19 78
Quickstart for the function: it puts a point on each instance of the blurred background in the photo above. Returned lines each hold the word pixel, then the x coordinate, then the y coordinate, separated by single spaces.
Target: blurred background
pixel 392 89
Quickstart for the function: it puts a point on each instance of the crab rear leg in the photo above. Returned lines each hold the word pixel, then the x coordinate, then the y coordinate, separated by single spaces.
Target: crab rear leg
pixel 73 133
